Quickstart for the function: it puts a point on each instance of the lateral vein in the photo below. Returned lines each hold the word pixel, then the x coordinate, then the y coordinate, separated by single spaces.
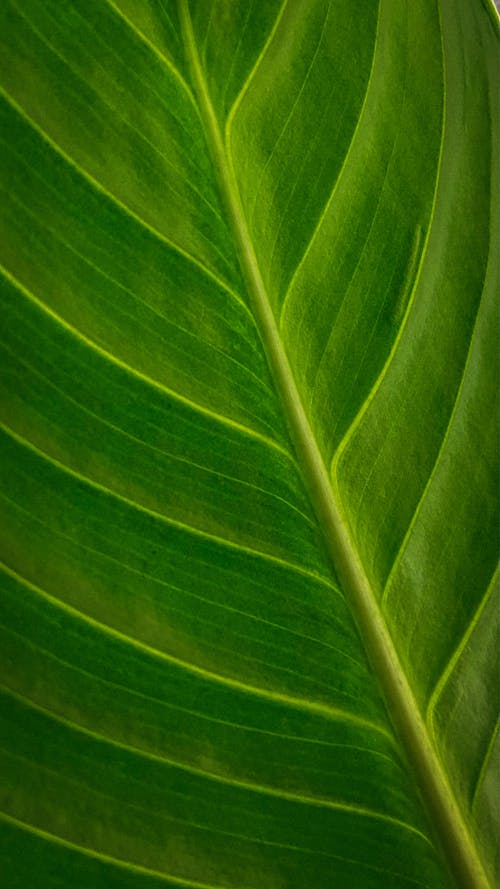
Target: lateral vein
pixel 135 372
pixel 106 859
pixel 249 786
pixel 267 694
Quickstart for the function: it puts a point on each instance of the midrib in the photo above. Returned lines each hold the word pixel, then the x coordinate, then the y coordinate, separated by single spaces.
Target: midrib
pixel 455 837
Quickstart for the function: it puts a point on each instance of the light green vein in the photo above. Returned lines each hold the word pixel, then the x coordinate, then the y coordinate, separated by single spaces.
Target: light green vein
pixel 224 650
pixel 163 10
pixel 171 393
pixel 459 650
pixel 175 458
pixel 493 13
pixel 484 766
pixel 189 594
pixel 188 333
pixel 406 315
pixel 237 635
pixel 437 461
pixel 251 787
pixel 338 179
pixel 108 859
pixel 449 427
pixel 116 111
pixel 324 710
pixel 162 57
pixel 433 780
pixel 178 881
pixel 186 593
pixel 162 703
pixel 356 423
pixel 222 605
pixel 236 366
pixel 75 784
pixel 99 187
pixel 242 36
pixel 253 71
pixel 290 113
pixel 58 604
pixel 189 529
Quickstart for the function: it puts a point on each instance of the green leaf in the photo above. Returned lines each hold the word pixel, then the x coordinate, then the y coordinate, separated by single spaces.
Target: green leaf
pixel 249 276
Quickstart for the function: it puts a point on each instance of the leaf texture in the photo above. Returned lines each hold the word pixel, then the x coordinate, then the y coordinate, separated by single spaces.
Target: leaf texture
pixel 249 279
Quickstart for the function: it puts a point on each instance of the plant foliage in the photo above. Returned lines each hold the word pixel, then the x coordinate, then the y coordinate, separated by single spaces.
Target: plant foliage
pixel 249 276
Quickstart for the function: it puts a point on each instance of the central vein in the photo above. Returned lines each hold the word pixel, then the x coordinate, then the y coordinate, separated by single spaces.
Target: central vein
pixel 379 645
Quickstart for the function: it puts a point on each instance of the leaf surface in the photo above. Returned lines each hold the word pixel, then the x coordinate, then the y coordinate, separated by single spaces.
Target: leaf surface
pixel 249 278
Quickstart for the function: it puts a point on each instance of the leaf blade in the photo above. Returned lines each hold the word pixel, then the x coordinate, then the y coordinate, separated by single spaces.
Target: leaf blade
pixel 113 548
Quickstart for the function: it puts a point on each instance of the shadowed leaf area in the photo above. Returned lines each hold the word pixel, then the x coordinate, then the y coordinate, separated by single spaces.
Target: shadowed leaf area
pixel 249 437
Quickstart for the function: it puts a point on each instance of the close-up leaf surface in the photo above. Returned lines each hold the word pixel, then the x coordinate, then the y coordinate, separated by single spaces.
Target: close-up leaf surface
pixel 249 476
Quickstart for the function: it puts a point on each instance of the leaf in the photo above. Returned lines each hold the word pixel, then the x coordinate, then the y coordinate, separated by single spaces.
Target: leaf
pixel 249 278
